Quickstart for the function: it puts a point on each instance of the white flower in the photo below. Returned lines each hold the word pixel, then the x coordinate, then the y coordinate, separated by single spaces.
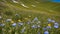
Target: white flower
pixel 0 17
pixel 28 22
pixel 8 20
pixel 14 24
pixel 34 26
pixel 24 28
pixel 46 32
pixel 49 20
pixel 35 19
pixel 24 5
pixel 38 26
pixel 20 23
pixel 53 21
pixel 14 1
pixel 38 22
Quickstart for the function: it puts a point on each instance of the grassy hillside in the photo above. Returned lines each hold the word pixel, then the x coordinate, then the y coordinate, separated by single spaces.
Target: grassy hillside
pixel 41 7
pixel 28 10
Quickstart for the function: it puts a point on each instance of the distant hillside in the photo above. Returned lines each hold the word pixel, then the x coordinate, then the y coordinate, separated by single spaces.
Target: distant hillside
pixel 40 6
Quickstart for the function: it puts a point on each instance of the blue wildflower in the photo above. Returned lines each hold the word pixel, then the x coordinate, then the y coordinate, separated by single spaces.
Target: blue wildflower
pixel 49 27
pixel 2 24
pixel 56 25
pixel 23 30
pixel 35 19
pixel 45 29
pixel 14 24
pixel 46 32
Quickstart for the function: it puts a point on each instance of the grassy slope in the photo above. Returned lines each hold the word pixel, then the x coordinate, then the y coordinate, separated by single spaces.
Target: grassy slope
pixel 43 10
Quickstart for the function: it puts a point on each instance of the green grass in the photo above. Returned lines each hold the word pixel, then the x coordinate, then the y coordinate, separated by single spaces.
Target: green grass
pixel 43 11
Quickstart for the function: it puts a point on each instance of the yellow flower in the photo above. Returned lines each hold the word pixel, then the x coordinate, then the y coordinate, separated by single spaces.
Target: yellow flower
pixel 12 21
pixel 10 30
pixel 19 20
pixel 2 21
pixel 49 24
pixel 26 18
pixel 29 16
